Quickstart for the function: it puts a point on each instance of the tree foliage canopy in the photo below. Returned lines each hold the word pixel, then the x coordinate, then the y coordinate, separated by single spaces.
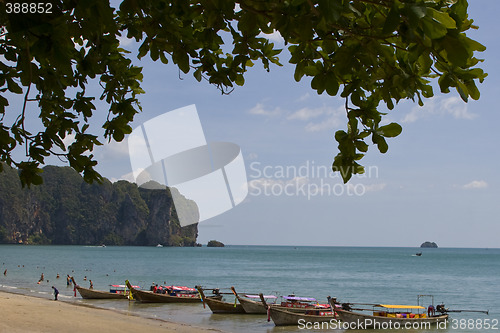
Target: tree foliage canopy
pixel 366 51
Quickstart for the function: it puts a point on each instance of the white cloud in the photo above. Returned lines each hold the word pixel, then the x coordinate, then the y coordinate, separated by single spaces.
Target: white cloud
pixel 125 41
pixel 273 37
pixel 334 118
pixel 68 140
pixel 117 148
pixel 326 117
pixel 457 108
pixel 307 113
pixel 363 188
pixel 304 97
pixel 128 177
pixel 475 184
pixel 375 187
pixel 260 110
pixel 327 124
pixel 436 106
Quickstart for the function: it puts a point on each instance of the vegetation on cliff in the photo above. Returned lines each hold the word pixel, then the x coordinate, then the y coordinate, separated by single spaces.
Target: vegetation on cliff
pixel 67 210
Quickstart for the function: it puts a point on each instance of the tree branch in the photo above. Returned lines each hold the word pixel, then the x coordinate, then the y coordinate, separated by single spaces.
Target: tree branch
pixel 23 113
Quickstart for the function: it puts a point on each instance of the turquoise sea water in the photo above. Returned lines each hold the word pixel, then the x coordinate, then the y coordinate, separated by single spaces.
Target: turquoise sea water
pixel 461 278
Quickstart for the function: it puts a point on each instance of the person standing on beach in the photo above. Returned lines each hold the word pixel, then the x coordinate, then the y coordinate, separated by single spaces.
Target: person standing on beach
pixel 56 292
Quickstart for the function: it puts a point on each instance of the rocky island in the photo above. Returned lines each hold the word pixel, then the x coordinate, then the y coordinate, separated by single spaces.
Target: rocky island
pixel 428 244
pixel 214 243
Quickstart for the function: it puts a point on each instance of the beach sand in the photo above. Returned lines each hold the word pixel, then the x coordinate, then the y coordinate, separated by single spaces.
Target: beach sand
pixel 21 313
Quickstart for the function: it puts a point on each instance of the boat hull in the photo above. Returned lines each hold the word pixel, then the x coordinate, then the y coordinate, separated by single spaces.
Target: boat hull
pixel 151 297
pixel 283 317
pixel 253 307
pixel 98 294
pixel 354 320
pixel 218 306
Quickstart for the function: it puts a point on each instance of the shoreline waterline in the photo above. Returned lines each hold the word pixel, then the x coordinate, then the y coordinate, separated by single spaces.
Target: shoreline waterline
pixel 25 313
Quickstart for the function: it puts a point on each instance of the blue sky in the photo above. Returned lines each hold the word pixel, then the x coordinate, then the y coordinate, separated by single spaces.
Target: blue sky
pixel 438 181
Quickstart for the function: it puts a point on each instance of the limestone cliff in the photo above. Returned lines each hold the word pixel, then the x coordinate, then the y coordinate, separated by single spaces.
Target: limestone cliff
pixel 67 210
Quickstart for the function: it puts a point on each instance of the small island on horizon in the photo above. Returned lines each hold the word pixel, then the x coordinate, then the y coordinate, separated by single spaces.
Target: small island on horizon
pixel 215 243
pixel 428 244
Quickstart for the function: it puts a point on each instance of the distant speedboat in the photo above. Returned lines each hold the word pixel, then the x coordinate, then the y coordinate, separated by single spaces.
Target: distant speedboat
pixel 419 254
pixel 159 245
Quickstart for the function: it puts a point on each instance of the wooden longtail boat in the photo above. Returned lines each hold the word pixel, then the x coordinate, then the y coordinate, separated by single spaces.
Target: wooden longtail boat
pixel 151 297
pixel 116 292
pixel 282 317
pixel 385 316
pixel 219 306
pixel 252 303
pixel 296 304
pixel 299 310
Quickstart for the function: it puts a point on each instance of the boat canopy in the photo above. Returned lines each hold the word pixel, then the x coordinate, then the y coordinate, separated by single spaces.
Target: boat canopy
pixel 179 288
pixel 295 298
pixel 390 306
pixel 257 296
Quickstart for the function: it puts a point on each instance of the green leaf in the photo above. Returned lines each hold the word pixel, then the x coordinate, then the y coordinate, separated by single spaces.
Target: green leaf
pixel 318 83
pixel 13 86
pixel 472 89
pixel 442 18
pixel 331 84
pixel 240 80
pixel 197 74
pixel 456 51
pixel 463 91
pixel 392 20
pixel 380 142
pixel 391 130
pixel 361 146
pixel 433 29
pixel 163 59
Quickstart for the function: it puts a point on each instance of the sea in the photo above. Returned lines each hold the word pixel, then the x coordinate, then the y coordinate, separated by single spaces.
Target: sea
pixel 462 279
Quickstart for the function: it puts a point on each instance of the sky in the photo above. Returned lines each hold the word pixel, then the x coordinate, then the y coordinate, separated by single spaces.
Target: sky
pixel 438 181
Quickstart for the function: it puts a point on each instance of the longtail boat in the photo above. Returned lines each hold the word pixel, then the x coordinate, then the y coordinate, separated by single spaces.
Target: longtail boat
pixel 116 292
pixel 252 303
pixel 385 316
pixel 282 317
pixel 299 310
pixel 219 306
pixel 176 295
pixel 296 303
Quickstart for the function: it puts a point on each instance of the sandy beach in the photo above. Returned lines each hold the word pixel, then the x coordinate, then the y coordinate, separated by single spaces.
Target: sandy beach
pixel 31 314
